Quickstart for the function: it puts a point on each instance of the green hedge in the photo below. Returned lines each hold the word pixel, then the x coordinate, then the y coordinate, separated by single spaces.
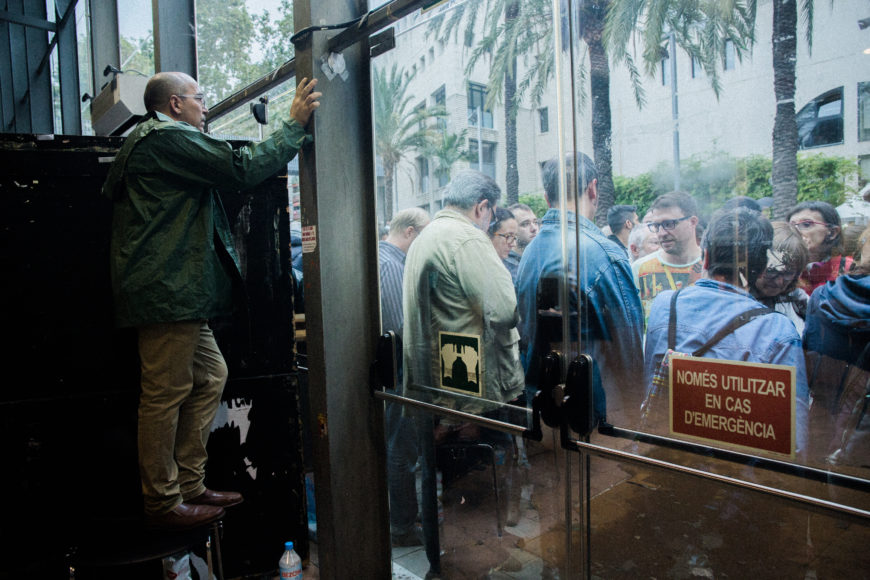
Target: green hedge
pixel 715 178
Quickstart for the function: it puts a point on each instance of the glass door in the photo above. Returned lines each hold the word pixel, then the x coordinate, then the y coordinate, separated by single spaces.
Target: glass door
pixel 631 308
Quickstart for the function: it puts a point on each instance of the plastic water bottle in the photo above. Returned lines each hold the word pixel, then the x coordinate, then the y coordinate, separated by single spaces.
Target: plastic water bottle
pixel 290 564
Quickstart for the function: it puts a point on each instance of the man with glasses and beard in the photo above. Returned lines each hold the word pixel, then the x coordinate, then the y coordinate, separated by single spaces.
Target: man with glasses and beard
pixel 673 217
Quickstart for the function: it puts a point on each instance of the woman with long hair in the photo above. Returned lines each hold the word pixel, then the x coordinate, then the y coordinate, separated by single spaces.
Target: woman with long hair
pixel 819 224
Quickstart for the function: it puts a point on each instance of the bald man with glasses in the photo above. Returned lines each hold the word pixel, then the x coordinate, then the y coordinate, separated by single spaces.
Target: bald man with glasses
pixel 673 218
pixel 173 267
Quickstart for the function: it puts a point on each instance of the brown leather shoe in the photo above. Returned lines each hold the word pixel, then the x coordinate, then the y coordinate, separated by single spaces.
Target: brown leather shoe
pixel 216 498
pixel 185 516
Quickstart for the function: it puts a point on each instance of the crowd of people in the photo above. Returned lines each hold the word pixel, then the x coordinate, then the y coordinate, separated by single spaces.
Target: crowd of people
pixel 733 286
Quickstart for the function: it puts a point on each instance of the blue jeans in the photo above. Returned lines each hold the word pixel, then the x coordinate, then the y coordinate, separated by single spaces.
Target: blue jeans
pixel 402 453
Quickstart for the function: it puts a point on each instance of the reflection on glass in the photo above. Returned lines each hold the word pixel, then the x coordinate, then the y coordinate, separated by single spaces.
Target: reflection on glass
pixel 239 42
pixel 241 124
pixel 135 27
pixel 83 44
pixel 652 523
pixel 788 387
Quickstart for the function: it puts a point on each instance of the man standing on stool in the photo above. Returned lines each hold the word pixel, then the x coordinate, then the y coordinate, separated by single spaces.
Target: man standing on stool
pixel 173 266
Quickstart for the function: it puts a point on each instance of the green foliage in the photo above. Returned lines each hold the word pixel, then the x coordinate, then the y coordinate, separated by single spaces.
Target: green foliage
pixel 225 32
pixel 536 202
pixel 824 178
pixel 273 33
pixel 820 178
pixel 227 36
pixel 638 190
pixel 137 54
pixel 713 179
pixel 755 173
pixel 445 150
pixel 399 129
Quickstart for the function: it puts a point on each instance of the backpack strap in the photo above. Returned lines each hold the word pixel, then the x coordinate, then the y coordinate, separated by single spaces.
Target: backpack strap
pixel 672 321
pixel 735 323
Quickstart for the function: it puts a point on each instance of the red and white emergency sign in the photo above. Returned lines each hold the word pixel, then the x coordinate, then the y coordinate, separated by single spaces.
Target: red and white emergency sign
pixel 747 404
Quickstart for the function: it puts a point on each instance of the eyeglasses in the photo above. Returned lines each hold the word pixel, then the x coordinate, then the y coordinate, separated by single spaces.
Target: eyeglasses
pixel 668 225
pixel 197 97
pixel 805 225
pixel 509 238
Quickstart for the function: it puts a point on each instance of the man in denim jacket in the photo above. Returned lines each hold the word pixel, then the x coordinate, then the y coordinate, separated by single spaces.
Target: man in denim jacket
pixel 603 300
pixel 735 248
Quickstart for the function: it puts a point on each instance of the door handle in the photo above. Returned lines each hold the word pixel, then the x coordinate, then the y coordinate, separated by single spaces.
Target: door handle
pixel 548 399
pixel 384 370
pixel 577 405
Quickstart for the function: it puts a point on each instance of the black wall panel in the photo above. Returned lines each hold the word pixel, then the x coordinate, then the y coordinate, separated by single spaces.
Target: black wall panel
pixel 70 385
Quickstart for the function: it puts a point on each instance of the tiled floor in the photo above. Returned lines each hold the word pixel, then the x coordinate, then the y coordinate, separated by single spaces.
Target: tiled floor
pixel 644 524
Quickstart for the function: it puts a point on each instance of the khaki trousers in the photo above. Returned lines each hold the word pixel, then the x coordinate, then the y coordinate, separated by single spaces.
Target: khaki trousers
pixel 183 376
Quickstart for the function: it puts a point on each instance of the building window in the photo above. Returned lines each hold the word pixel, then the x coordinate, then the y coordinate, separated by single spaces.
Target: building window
pixel 423 170
pixel 484 159
pixel 420 109
pixel 544 118
pixel 864 111
pixel 820 122
pixel 863 170
pixel 477 105
pixel 439 99
pixel 443 177
pixel 730 55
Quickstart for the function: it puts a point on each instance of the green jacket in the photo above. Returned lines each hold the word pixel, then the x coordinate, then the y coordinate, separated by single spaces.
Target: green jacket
pixel 172 255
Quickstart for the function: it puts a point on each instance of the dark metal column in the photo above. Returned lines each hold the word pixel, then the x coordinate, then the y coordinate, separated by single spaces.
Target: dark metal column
pixel 175 36
pixel 38 96
pixel 342 306
pixel 68 65
pixel 26 92
pixel 105 40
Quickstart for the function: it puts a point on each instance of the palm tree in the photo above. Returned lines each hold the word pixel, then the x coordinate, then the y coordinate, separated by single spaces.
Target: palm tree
pixel 703 28
pixel 511 29
pixel 591 22
pixel 397 129
pixel 445 150
pixel 784 174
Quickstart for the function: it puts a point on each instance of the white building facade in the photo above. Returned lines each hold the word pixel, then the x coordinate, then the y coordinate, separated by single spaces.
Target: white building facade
pixel 833 83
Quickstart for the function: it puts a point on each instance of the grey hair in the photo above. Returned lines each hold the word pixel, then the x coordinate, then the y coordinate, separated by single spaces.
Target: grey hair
pixel 414 217
pixel 638 235
pixel 470 187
